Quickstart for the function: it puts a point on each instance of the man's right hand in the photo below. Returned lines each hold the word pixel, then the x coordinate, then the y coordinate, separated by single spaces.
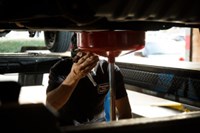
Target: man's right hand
pixel 85 62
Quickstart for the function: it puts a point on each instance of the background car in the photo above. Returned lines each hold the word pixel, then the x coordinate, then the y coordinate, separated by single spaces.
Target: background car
pixel 169 45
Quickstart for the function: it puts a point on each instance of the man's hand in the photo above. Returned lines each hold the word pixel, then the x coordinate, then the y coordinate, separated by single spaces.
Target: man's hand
pixel 84 62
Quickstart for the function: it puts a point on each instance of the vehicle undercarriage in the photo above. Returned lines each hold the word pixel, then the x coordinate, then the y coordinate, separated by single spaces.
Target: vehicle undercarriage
pixel 94 16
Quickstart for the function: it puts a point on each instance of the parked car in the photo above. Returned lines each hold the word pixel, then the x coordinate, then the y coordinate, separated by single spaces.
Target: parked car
pixel 165 45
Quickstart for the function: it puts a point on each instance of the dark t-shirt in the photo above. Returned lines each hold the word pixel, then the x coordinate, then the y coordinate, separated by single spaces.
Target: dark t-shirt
pixel 86 100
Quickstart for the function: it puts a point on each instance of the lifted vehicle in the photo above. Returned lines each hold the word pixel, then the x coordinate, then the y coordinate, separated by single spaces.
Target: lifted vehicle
pixel 99 15
pixel 58 19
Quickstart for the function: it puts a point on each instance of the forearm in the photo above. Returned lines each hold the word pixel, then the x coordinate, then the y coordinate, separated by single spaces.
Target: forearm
pixel 59 96
pixel 124 108
pixel 127 114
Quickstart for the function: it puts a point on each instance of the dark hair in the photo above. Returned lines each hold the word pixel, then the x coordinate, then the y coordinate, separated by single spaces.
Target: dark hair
pixel 74 48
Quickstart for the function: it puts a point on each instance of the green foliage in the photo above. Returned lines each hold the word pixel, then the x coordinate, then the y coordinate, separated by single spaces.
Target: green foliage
pixel 14 45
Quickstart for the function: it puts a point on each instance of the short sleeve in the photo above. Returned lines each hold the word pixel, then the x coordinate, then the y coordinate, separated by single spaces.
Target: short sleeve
pixel 120 86
pixel 58 73
pixel 119 80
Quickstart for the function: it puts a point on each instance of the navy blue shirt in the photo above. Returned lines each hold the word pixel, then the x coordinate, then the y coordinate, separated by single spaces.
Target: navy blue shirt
pixel 86 100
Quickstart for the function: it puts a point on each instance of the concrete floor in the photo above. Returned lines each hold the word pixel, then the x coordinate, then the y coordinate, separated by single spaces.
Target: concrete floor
pixel 141 104
pixel 150 106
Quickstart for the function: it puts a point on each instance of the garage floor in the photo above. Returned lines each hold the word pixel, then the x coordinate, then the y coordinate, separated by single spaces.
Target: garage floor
pixel 142 105
pixel 150 106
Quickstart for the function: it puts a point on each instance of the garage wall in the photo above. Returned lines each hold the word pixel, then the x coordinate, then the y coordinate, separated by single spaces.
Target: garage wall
pixel 195 45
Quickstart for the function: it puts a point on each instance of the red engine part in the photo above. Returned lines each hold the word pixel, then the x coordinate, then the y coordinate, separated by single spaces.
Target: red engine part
pixel 110 43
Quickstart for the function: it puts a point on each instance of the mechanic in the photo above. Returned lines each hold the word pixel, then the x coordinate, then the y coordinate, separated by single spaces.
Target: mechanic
pixel 77 88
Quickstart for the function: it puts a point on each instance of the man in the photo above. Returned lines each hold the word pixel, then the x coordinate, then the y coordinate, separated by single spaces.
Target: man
pixel 78 86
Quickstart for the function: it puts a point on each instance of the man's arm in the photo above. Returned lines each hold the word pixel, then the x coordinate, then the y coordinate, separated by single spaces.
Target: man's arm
pixel 123 108
pixel 59 96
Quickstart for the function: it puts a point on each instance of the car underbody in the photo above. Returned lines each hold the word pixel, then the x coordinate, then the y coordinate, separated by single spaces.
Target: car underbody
pixel 99 15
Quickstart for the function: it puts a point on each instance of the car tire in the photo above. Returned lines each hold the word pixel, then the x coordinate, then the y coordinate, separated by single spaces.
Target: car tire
pixel 4 33
pixel 58 41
